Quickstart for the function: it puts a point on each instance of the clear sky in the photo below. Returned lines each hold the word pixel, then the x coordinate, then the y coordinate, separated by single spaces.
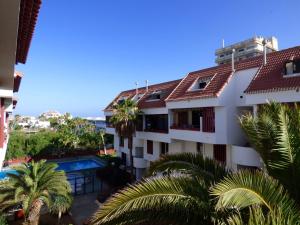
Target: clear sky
pixel 85 52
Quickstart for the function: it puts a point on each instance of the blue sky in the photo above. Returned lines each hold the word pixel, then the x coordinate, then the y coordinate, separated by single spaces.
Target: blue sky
pixel 85 52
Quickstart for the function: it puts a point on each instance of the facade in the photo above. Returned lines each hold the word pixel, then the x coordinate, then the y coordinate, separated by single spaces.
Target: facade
pixel 199 113
pixel 246 49
pixel 17 23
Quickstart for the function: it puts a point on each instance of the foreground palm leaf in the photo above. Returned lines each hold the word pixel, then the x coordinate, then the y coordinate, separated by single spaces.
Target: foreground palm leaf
pixel 189 163
pixel 257 216
pixel 275 135
pixel 34 185
pixel 160 200
pixel 245 189
pixel 173 199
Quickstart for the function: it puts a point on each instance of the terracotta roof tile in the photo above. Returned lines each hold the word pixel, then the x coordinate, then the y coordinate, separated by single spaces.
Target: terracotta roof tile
pixel 271 76
pixel 219 76
pixel 166 88
pixel 29 10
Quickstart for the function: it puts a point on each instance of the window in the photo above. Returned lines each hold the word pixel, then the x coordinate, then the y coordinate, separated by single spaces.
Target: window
pixel 220 153
pixel 139 125
pixel 123 158
pixel 156 95
pixel 196 114
pixel 150 147
pixel 292 67
pixel 164 148
pixel 121 144
pixel 221 56
pixel 241 50
pixel 200 84
pixel 200 148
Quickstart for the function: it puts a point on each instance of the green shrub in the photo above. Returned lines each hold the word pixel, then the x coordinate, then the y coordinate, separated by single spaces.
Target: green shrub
pixel 3 220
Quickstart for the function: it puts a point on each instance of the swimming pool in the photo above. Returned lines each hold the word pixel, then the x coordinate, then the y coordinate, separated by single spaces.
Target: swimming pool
pixel 67 166
pixel 77 165
pixel 3 174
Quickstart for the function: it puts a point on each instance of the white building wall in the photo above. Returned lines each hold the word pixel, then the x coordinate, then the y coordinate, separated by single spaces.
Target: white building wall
pixel 278 96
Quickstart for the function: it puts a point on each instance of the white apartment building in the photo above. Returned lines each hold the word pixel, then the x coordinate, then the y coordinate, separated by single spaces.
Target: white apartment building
pixel 246 49
pixel 200 112
pixel 17 22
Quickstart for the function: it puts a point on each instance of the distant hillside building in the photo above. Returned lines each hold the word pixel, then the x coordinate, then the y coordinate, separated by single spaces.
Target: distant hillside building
pixel 245 49
pixel 51 114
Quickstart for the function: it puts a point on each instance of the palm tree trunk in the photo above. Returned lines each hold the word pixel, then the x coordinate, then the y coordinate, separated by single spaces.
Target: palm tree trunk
pixel 103 142
pixel 59 217
pixel 34 213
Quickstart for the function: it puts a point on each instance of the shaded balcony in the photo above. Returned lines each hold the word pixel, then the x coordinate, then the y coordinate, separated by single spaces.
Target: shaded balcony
pixel 156 123
pixel 107 121
pixel 198 119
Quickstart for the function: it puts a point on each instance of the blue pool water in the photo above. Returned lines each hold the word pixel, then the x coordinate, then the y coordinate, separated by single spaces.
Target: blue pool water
pixel 3 174
pixel 77 165
pixel 68 166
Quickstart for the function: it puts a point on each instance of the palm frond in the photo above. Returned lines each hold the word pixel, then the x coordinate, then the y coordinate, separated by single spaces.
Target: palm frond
pixel 189 163
pixel 182 199
pixel 257 216
pixel 246 188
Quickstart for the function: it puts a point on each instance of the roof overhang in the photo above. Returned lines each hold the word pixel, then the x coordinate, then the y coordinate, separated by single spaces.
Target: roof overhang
pixel 29 10
pixel 17 80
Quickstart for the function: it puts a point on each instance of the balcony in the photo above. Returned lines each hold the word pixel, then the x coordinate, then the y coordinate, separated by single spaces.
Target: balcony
pixel 156 123
pixel 138 158
pixel 198 119
pixel 245 156
pixel 110 130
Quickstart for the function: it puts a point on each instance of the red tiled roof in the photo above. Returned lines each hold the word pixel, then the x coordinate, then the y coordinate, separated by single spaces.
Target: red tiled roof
pixel 29 10
pixel 166 88
pixel 219 77
pixel 270 77
pixel 17 80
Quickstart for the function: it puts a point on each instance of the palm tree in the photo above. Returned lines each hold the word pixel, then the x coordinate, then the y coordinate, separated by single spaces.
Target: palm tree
pixel 34 185
pixel 60 205
pixel 124 120
pixel 275 135
pixel 181 196
pixel 102 138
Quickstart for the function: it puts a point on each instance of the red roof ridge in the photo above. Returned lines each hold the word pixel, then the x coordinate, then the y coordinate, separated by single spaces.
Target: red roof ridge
pixel 270 77
pixel 176 87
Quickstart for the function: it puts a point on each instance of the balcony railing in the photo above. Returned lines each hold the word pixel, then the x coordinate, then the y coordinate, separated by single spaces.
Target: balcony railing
pixel 156 130
pixel 185 127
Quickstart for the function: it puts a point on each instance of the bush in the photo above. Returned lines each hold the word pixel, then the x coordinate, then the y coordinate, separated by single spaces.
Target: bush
pixel 3 220
pixel 21 144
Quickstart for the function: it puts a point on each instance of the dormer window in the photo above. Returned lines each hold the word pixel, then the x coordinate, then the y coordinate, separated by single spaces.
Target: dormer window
pixel 121 100
pixel 156 95
pixel 292 68
pixel 200 84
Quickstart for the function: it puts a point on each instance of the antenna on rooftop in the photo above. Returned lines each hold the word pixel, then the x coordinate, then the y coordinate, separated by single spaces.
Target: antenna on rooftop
pixel 223 43
pixel 265 42
pixel 136 87
pixel 147 83
pixel 232 59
